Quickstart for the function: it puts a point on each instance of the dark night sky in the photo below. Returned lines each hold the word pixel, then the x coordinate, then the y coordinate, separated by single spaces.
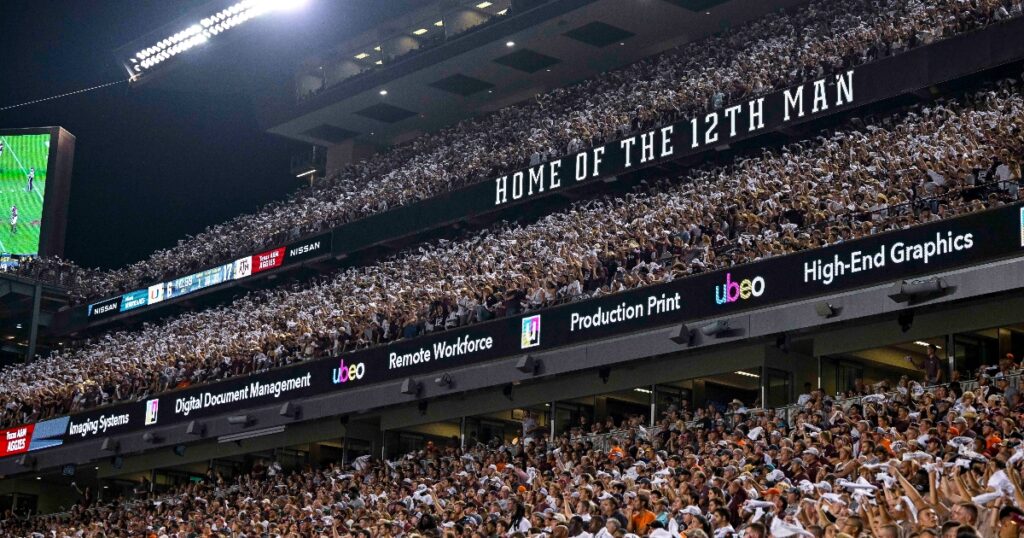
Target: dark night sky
pixel 156 162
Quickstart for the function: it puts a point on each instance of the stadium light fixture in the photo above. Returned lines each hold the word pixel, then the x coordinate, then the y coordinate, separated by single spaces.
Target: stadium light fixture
pixel 110 445
pixel 685 337
pixel 503 12
pixel 362 56
pixel 379 62
pixel 195 428
pixel 420 31
pixel 510 44
pixel 241 420
pixel 383 92
pixel 715 328
pixel 826 309
pixel 912 291
pixel 527 364
pixel 411 387
pixel 207 28
pixel 439 24
pixel 290 410
pixel 484 5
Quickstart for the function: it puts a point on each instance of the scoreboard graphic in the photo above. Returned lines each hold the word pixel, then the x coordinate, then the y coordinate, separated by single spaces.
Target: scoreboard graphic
pixel 34 176
pixel 23 169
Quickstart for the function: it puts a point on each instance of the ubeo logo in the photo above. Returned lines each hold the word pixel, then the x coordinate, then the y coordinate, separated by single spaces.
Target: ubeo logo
pixel 344 374
pixel 733 291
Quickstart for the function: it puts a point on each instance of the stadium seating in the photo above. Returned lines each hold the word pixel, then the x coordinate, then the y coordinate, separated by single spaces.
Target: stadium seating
pixel 894 460
pixel 928 163
pixel 771 53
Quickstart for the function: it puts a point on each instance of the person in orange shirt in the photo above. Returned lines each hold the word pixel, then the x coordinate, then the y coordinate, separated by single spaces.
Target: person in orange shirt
pixel 640 514
pixel 616 453
pixel 992 439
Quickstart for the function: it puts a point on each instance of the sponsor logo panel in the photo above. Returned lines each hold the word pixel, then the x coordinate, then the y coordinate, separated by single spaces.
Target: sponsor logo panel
pixel 243 267
pixel 345 373
pixel 152 408
pixel 156 293
pixel 110 306
pixel 739 290
pixel 530 333
pixel 135 299
pixel 15 440
pixel 270 259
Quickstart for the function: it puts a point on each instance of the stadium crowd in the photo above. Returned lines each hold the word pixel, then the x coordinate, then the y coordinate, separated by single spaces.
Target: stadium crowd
pixel 898 461
pixel 772 52
pixel 932 162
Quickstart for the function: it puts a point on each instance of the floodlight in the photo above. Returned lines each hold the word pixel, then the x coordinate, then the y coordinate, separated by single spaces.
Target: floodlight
pixel 420 31
pixel 510 44
pixel 362 55
pixel 439 24
pixel 287 5
pixel 484 5
pixel 200 32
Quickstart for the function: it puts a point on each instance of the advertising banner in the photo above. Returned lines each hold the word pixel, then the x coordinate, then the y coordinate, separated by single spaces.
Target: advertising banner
pixel 242 268
pixel 308 249
pixel 106 307
pixel 15 440
pixel 883 258
pixel 133 300
pixel 271 259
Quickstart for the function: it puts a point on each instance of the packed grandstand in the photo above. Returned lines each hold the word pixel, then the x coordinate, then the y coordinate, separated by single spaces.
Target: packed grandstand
pixel 771 53
pixel 918 455
pixel 894 459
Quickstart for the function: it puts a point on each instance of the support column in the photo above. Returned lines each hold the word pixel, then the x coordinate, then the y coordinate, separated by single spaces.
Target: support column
pixel 33 334
pixel 551 419
pixel 951 356
pixel 654 403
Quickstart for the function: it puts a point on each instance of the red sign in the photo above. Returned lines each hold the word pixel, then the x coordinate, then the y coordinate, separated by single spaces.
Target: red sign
pixel 15 440
pixel 268 260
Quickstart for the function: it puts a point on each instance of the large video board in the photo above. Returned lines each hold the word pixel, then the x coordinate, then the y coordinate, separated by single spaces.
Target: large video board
pixel 33 192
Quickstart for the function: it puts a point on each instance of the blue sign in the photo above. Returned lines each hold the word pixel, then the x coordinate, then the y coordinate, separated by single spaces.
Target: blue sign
pixel 133 300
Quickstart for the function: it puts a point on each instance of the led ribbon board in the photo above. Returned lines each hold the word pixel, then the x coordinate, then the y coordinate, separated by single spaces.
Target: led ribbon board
pixel 882 258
